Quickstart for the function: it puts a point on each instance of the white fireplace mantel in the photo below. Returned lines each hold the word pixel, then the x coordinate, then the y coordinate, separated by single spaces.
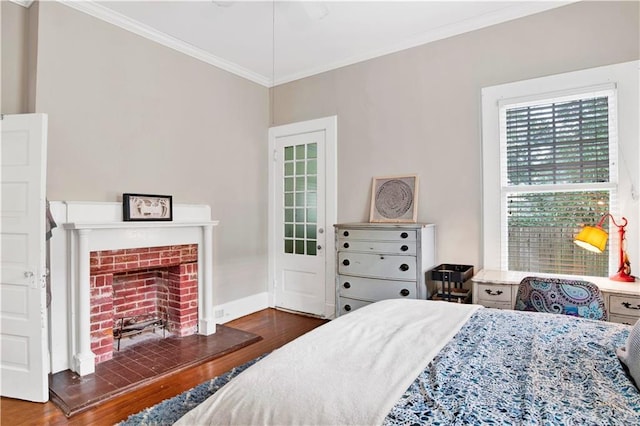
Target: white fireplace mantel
pixel 98 226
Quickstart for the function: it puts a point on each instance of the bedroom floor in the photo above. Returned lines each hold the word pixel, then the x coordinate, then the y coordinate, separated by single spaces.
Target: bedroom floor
pixel 140 364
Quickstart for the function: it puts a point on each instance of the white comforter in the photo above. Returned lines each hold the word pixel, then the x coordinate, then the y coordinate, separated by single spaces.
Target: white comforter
pixel 350 371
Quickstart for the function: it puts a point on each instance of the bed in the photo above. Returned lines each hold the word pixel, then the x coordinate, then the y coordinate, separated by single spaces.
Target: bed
pixel 426 362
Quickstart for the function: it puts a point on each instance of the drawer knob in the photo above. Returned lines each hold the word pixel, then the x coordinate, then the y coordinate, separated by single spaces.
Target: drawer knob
pixel 346 262
pixel 404 267
pixel 346 285
pixel 628 306
pixel 404 235
pixel 347 308
pixel 345 245
pixel 404 248
pixel 345 233
pixel 404 292
pixel 493 293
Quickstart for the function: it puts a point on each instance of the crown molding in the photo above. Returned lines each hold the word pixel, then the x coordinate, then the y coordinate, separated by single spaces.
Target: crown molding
pixel 98 11
pixel 24 3
pixel 105 14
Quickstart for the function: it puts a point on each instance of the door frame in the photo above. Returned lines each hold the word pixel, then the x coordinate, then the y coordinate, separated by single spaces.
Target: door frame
pixel 330 127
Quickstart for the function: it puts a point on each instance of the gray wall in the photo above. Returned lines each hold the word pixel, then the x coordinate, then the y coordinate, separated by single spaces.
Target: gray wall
pixel 14 58
pixel 129 115
pixel 418 111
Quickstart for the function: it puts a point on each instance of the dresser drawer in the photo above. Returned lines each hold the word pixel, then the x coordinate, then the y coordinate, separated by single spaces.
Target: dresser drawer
pixel 377 265
pixel 374 289
pixel 624 305
pixel 496 305
pixel 348 305
pixel 378 234
pixel 622 319
pixel 397 247
pixel 494 293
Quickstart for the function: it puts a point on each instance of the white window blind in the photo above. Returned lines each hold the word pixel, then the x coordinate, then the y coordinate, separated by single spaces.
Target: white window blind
pixel 557 174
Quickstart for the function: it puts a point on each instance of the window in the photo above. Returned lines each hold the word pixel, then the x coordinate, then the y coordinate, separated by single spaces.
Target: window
pixel 550 165
pixel 555 177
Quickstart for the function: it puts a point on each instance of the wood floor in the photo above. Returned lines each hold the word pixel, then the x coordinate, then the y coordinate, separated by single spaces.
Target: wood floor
pixel 275 327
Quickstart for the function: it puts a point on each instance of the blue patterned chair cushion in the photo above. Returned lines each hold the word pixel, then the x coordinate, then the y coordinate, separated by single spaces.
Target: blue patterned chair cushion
pixel 630 353
pixel 561 296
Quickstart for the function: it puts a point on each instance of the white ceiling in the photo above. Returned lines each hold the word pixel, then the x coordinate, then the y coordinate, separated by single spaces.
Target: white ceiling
pixel 310 36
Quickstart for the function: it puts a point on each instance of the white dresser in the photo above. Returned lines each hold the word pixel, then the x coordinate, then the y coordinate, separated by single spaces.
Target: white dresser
pixel 498 289
pixel 377 261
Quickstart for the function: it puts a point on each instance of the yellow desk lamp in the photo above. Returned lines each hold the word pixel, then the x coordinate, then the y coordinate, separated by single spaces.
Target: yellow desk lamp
pixel 594 238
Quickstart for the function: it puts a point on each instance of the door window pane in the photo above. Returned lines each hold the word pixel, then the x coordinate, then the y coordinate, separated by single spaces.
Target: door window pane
pixel 312 150
pixel 288 153
pixel 312 166
pixel 288 199
pixel 288 215
pixel 312 183
pixel 288 169
pixel 311 248
pixel 311 215
pixel 288 246
pixel 288 184
pixel 311 232
pixel 312 199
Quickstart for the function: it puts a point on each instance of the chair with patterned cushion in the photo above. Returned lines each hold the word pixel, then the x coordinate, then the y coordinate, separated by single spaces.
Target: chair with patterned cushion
pixel 561 296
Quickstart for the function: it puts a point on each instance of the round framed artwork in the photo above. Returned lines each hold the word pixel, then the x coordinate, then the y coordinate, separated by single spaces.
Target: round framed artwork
pixel 393 199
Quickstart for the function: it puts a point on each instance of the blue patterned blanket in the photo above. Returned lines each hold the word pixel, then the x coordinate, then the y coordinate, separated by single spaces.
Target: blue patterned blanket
pixel 514 368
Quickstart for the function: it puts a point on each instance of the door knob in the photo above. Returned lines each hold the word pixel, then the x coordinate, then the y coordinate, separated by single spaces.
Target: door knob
pixel 28 274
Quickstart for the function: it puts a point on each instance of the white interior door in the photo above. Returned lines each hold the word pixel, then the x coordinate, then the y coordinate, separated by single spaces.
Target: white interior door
pixel 23 313
pixel 302 214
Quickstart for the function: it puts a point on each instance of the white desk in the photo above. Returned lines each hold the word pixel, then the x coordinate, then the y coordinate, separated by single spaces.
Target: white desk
pixel 498 289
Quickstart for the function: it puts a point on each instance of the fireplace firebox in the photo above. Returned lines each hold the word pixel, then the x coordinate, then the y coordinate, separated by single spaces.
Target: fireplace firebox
pixel 140 289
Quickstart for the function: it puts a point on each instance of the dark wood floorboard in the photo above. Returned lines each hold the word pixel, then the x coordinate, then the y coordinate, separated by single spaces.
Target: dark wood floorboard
pixel 275 327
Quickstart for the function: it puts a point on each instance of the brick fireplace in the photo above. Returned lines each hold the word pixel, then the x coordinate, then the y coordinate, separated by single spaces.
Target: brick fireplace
pixel 99 253
pixel 149 282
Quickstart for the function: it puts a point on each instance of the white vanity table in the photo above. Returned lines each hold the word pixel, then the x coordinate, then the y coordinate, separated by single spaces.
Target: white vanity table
pixel 498 289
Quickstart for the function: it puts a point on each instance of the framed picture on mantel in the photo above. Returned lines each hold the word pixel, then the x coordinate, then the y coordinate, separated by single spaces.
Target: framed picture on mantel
pixel 394 199
pixel 147 207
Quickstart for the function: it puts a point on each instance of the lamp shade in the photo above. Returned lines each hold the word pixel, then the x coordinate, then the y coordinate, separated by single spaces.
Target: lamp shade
pixel 592 238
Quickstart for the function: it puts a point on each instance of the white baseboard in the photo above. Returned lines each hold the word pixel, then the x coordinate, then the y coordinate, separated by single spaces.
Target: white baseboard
pixel 240 307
